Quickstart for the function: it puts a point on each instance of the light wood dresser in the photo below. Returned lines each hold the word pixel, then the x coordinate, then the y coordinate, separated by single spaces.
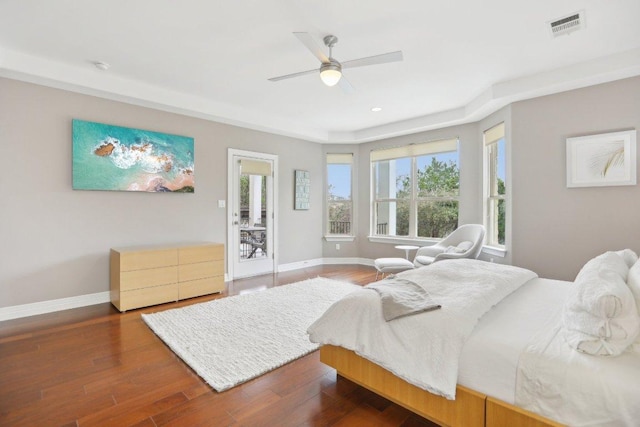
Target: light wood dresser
pixel 147 275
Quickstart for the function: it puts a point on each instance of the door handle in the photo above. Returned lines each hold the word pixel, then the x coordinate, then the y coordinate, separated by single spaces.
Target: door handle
pixel 235 222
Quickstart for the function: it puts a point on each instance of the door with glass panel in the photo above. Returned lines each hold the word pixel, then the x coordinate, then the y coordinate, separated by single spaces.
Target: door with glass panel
pixel 251 225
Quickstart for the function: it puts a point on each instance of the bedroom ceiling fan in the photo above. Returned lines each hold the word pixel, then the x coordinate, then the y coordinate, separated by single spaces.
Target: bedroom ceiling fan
pixel 330 69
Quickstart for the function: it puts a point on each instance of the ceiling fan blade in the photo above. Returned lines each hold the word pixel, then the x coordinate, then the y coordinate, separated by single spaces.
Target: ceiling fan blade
pixel 345 85
pixel 373 60
pixel 307 40
pixel 289 76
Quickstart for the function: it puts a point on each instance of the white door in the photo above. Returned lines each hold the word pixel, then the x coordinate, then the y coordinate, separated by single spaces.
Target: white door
pixel 251 225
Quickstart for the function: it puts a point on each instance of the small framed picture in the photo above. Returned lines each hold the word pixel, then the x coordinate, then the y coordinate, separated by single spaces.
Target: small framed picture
pixel 302 190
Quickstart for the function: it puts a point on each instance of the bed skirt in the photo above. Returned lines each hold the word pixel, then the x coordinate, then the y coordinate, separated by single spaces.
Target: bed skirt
pixel 470 409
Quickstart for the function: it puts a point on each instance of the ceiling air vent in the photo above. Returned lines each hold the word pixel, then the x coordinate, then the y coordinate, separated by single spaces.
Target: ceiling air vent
pixel 567 24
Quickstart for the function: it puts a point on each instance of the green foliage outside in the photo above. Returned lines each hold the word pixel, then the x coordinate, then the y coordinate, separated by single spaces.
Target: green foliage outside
pixel 436 218
pixel 501 213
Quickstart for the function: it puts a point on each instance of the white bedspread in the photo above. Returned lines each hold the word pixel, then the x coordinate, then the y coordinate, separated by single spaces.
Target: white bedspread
pixel 575 388
pixel 489 358
pixel 423 349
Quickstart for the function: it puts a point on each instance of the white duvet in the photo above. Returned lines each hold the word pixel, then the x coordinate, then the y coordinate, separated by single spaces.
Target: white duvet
pixel 423 349
pixel 578 389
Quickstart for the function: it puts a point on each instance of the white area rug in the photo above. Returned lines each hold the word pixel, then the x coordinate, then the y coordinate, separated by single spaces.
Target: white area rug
pixel 231 340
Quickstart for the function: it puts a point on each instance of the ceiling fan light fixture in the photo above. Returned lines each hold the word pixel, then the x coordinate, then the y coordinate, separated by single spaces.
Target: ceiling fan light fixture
pixel 330 73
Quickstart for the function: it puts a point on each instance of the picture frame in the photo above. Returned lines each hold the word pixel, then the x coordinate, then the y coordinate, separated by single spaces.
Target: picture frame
pixel 115 158
pixel 302 190
pixel 602 160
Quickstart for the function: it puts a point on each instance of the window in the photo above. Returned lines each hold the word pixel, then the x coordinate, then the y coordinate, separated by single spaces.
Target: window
pixel 416 190
pixel 339 200
pixel 494 185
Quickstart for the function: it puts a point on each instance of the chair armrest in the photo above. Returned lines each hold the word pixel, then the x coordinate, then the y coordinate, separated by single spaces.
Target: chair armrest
pixel 451 255
pixel 431 251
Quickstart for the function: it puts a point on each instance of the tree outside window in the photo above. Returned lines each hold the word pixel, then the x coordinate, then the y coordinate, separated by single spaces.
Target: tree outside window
pixel 417 196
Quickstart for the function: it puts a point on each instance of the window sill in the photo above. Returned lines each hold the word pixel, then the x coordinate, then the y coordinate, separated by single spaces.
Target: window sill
pixel 337 238
pixel 495 251
pixel 489 250
pixel 402 240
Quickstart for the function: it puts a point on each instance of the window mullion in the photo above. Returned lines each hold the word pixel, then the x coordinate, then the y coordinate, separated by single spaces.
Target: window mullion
pixel 413 203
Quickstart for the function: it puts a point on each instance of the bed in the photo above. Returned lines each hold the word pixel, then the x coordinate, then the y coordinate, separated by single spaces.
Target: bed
pixel 513 366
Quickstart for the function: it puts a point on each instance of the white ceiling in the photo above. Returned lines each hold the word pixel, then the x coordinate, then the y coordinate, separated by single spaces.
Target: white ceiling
pixel 211 58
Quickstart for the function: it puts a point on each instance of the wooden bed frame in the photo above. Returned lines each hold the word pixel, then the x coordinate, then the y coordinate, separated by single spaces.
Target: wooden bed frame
pixel 470 409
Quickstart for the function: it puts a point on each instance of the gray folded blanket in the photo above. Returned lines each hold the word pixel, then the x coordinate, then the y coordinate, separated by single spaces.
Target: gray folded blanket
pixel 402 297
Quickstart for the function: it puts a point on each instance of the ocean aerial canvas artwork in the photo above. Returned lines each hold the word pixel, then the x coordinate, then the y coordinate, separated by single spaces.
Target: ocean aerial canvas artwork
pixel 107 157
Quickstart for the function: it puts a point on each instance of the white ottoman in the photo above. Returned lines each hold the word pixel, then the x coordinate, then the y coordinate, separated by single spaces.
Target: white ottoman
pixel 391 265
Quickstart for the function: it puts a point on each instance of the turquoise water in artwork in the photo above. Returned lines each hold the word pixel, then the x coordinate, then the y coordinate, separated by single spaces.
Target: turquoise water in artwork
pixel 107 157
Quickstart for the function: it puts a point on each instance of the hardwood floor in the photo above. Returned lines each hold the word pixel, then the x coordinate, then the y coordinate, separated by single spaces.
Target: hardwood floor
pixel 94 366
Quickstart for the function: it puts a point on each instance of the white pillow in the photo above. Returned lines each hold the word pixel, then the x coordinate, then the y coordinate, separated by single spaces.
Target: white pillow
pixel 629 256
pixel 633 280
pixel 453 250
pixel 609 261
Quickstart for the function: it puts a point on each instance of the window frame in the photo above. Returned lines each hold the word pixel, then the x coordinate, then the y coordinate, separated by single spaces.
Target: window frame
pixel 341 159
pixel 490 192
pixel 415 151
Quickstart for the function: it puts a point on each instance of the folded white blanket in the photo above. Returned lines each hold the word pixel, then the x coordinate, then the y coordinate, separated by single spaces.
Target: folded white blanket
pixel 423 349
pixel 600 315
pixel 401 297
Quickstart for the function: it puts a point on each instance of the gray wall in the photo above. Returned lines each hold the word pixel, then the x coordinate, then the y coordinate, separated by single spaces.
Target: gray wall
pixel 557 229
pixel 54 242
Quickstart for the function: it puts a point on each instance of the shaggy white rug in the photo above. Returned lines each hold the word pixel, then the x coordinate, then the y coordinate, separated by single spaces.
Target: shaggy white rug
pixel 231 340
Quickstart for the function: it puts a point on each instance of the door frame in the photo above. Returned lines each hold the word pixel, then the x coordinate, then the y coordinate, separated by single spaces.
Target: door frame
pixel 232 251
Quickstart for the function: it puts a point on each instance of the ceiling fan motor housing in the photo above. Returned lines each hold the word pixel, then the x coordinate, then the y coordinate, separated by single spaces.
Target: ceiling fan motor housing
pixel 331 65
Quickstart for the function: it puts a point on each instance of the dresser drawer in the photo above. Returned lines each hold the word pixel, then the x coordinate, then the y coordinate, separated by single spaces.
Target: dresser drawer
pixel 200 270
pixel 140 260
pixel 148 296
pixel 150 277
pixel 200 287
pixel 203 253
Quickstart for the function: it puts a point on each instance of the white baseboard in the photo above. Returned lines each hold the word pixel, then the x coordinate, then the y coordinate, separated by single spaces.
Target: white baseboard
pixel 25 310
pixel 323 261
pixel 43 307
pixel 300 264
pixel 361 261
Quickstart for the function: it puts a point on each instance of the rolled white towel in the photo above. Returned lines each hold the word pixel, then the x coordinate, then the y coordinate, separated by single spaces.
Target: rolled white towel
pixel 600 315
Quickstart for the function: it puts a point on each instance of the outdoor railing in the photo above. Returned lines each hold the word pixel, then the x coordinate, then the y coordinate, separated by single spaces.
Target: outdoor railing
pixel 339 227
pixel 344 227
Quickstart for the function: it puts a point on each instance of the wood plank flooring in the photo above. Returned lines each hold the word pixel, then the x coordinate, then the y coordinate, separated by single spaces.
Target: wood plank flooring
pixel 94 366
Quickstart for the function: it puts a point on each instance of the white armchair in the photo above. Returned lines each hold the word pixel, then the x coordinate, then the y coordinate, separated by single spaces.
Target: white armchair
pixel 464 242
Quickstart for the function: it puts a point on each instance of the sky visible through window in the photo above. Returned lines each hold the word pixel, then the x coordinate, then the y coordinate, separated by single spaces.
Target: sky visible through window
pixel 339 178
pixel 501 163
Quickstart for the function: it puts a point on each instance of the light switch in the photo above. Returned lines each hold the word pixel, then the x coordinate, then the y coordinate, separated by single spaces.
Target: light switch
pixel 221 203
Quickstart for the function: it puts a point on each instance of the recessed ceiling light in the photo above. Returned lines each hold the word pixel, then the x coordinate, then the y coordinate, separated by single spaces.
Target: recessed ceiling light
pixel 376 109
pixel 101 65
